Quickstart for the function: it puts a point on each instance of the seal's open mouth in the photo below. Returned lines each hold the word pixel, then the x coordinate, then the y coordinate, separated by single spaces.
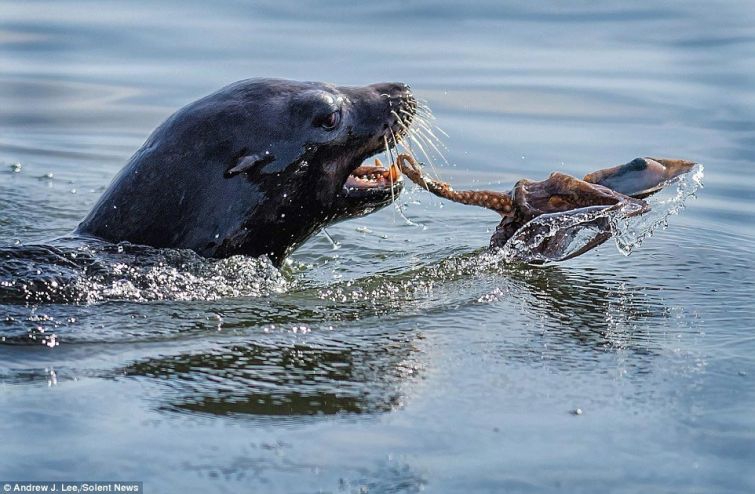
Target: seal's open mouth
pixel 376 177
pixel 383 123
pixel 368 188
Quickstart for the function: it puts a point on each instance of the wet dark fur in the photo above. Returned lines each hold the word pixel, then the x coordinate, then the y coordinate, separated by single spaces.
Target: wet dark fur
pixel 250 169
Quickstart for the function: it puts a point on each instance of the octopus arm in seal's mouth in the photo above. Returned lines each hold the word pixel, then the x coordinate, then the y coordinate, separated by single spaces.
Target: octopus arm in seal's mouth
pixel 376 176
pixel 367 188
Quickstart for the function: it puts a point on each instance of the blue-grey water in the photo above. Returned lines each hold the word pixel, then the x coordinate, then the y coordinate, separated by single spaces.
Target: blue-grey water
pixel 407 359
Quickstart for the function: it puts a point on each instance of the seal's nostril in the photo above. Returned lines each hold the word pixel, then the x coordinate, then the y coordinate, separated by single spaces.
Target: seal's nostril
pixel 393 90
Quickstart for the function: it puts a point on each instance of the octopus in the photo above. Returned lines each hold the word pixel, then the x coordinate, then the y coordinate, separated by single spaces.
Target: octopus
pixel 623 186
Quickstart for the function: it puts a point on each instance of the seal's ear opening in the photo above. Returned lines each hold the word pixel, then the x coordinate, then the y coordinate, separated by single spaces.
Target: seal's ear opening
pixel 247 163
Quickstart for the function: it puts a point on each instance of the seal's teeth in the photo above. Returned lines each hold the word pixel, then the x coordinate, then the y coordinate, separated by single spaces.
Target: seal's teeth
pixel 378 163
pixel 394 173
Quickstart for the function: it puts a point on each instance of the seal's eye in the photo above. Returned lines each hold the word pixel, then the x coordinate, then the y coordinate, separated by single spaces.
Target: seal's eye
pixel 329 121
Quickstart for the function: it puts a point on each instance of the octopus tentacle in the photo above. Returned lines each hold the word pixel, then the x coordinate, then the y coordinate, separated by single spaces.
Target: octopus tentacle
pixel 497 201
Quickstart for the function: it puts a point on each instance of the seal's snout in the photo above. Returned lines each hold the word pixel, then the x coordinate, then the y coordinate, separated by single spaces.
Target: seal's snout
pixel 401 107
pixel 396 90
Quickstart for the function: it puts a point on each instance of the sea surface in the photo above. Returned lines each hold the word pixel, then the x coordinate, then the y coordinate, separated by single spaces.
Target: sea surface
pixel 404 358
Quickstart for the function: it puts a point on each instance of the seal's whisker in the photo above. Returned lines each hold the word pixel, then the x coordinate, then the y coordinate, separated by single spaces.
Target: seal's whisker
pixel 419 121
pixel 430 143
pixel 407 148
pixel 424 130
pixel 424 110
pixel 426 127
pixel 421 134
pixel 407 145
pixel 424 145
pixel 427 133
pixel 388 147
pixel 392 163
pixel 428 130
pixel 386 150
pixel 414 138
pixel 399 118
pixel 399 207
pixel 413 117
pixel 425 117
pixel 401 123
pixel 421 102
pixel 440 130
pixel 390 151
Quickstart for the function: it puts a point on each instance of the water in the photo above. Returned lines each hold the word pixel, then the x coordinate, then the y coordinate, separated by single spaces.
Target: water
pixel 409 358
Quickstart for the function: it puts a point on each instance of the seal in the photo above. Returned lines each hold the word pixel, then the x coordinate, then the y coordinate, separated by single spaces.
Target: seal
pixel 256 168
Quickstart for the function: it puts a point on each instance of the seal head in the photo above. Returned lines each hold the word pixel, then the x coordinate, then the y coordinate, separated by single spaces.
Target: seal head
pixel 256 168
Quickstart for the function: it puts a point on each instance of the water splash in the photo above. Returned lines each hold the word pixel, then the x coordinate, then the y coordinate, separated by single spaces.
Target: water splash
pixel 97 271
pixel 629 233
pixel 560 236
pixel 85 272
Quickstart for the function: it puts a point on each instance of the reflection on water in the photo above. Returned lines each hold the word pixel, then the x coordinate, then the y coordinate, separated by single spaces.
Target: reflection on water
pixel 313 369
pixel 410 357
pixel 283 378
